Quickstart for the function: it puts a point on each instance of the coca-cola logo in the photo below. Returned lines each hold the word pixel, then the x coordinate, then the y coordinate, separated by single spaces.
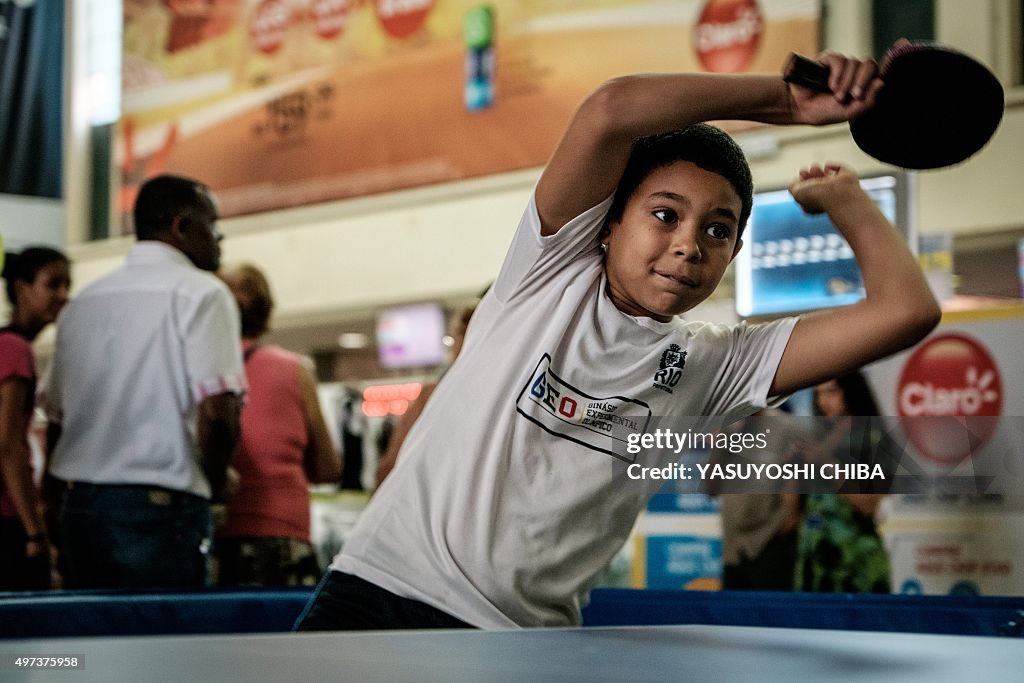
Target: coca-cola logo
pixel 728 34
pixel 952 389
pixel 402 18
pixel 269 25
pixel 330 17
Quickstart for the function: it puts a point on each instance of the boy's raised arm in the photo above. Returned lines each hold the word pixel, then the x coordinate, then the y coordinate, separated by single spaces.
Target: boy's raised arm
pixel 898 309
pixel 589 160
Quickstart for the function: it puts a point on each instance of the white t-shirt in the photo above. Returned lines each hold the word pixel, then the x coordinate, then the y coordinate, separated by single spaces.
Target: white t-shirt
pixel 136 353
pixel 509 495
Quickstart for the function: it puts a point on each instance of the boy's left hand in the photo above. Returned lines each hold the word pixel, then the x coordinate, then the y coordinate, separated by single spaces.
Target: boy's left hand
pixel 855 84
pixel 820 187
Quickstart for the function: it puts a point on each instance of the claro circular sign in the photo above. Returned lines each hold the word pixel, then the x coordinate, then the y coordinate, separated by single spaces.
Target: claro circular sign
pixel 728 35
pixel 269 25
pixel 952 388
pixel 402 18
pixel 330 17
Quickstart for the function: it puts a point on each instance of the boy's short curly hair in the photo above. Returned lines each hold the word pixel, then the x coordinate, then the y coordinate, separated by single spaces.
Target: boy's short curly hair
pixel 708 147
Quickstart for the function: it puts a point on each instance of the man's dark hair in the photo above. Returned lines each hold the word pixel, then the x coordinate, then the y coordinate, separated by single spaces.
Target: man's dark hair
pixel 161 199
pixel 705 146
pixel 25 267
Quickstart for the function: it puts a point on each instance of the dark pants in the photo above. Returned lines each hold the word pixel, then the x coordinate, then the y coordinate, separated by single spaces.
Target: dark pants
pixel 18 572
pixel 134 536
pixel 343 602
pixel 770 570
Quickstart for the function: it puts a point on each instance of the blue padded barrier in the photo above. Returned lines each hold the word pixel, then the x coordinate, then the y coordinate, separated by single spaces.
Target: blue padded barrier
pixel 120 613
pixel 975 615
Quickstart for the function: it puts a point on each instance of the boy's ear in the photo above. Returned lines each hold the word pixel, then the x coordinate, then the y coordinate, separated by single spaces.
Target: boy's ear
pixel 736 249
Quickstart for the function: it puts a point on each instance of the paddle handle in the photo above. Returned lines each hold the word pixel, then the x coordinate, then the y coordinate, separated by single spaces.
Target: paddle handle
pixel 807 73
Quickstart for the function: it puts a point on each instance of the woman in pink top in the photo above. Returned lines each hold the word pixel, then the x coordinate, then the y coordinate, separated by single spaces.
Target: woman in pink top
pixel 284 447
pixel 38 281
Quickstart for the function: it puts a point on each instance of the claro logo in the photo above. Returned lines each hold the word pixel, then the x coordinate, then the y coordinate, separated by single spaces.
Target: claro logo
pixel 728 34
pixel 269 25
pixel 402 18
pixel 952 388
pixel 330 17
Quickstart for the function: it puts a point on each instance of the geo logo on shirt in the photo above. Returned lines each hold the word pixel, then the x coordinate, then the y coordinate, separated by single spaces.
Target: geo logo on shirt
pixel 564 411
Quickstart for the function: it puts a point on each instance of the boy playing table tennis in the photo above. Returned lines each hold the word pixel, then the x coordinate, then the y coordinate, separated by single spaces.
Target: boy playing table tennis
pixel 510 492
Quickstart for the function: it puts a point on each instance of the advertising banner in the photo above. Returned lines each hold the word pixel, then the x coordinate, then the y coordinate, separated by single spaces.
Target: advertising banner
pixel 689 562
pixel 278 103
pixel 964 380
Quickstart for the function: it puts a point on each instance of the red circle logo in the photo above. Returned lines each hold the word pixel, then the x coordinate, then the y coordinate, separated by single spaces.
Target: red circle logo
pixel 728 34
pixel 402 18
pixel 269 25
pixel 330 17
pixel 952 388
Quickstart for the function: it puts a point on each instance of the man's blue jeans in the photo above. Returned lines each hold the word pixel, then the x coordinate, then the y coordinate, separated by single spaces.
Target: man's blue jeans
pixel 135 536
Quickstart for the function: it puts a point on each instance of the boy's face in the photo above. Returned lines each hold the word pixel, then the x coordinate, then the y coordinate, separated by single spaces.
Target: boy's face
pixel 676 237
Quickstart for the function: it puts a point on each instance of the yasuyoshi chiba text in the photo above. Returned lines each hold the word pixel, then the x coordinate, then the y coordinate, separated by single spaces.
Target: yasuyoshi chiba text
pixel 761 472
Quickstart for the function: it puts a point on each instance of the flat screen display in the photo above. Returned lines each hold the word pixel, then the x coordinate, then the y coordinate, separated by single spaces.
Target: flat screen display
pixel 792 261
pixel 411 336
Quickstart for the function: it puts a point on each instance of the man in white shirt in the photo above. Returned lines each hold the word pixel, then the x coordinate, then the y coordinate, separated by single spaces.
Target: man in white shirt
pixel 143 400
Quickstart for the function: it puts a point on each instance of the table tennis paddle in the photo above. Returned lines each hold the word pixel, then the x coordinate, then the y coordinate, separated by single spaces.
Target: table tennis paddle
pixel 939 106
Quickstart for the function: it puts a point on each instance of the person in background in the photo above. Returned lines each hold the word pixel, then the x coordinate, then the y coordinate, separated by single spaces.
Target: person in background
pixel 839 548
pixel 458 325
pixel 38 280
pixel 143 400
pixel 284 447
pixel 759 529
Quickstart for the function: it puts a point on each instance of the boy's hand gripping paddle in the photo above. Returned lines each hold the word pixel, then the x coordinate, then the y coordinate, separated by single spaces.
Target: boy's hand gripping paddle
pixel 938 107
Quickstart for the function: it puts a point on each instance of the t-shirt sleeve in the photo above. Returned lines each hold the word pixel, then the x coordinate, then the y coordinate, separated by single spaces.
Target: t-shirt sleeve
pixel 15 358
pixel 531 256
pixel 213 356
pixel 751 356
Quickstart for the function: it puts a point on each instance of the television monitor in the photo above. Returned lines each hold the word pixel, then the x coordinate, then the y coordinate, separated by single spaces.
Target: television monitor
pixel 792 261
pixel 410 336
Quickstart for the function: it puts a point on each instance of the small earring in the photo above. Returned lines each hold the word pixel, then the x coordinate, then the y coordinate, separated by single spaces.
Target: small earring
pixel 604 247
